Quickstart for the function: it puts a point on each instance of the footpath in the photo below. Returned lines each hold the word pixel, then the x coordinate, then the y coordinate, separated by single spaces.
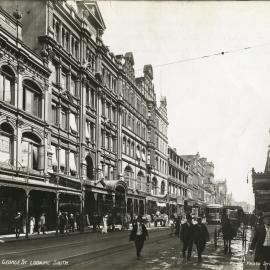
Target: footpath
pixel 51 234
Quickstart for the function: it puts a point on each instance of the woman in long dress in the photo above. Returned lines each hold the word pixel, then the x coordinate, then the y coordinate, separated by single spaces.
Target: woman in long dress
pixel 105 225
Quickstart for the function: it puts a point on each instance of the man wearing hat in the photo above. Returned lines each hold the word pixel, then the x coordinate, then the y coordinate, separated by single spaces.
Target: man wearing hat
pixel 201 236
pixel 138 234
pixel 187 236
pixel 18 224
pixel 261 242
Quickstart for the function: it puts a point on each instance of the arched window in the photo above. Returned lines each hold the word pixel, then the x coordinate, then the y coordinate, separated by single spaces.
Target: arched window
pixel 132 149
pixel 154 186
pixel 128 147
pixel 133 124
pixel 129 177
pixel 162 188
pixel 140 181
pixel 6 144
pixel 143 155
pixel 138 152
pixel 129 121
pixel 124 145
pixel 32 98
pixel 7 85
pixel 32 152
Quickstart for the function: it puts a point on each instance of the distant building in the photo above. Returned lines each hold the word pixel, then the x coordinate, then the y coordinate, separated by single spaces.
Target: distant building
pixel 177 181
pixel 201 175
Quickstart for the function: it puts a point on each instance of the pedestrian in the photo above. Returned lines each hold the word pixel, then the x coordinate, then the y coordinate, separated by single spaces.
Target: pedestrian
pixel 95 221
pixel 187 235
pixel 172 226
pixel 42 224
pixel 18 224
pixel 228 233
pixel 201 236
pixel 261 242
pixel 71 222
pixel 66 223
pixel 105 224
pixel 138 234
pixel 62 221
pixel 177 226
pixel 32 223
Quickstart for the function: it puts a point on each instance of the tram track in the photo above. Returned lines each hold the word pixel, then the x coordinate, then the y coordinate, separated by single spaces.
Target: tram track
pixel 81 259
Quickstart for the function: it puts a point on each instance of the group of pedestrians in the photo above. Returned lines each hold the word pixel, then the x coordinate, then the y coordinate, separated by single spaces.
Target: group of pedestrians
pixel 35 224
pixel 68 222
pixel 192 234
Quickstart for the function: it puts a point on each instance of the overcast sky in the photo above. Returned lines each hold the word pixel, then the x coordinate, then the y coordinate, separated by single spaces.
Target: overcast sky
pixel 217 106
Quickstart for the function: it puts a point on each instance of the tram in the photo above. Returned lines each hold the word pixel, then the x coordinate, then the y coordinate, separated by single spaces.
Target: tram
pixel 213 213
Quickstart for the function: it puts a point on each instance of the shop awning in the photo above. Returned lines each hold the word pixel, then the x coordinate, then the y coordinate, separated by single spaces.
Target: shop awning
pixel 161 204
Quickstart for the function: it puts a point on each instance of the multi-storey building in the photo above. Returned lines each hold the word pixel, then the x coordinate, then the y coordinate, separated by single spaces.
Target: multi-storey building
pixel 24 129
pixel 79 132
pixel 201 176
pixel 177 181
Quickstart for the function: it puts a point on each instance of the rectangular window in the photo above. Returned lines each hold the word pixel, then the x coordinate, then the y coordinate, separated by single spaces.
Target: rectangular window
pixel 92 99
pixel 29 155
pixel 32 102
pixel 92 132
pixel 54 115
pixel 64 119
pixel 87 133
pixel 64 81
pixel 63 160
pixel 88 96
pixel 73 87
pixel 72 163
pixel 73 123
pixel 4 149
pixel 54 158
pixel 54 74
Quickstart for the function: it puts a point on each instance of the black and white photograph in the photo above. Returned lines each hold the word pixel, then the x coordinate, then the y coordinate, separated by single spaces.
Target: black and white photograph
pixel 134 135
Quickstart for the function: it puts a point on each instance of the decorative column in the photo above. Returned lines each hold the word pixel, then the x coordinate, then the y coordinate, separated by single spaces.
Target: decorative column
pixel 57 209
pixel 27 196
pixel 82 197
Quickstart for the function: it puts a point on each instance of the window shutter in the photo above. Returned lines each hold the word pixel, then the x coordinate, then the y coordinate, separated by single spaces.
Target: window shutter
pixel 41 157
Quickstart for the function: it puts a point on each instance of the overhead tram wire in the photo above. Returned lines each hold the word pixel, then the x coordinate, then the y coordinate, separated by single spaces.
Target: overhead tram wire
pixel 208 56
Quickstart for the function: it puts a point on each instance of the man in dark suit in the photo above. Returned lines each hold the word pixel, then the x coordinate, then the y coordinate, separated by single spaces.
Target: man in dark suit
pixel 187 236
pixel 201 236
pixel 261 242
pixel 138 234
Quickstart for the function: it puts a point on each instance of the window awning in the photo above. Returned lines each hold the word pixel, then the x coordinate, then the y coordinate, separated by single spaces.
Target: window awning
pixel 72 122
pixel 72 163
pixel 63 158
pixel 54 160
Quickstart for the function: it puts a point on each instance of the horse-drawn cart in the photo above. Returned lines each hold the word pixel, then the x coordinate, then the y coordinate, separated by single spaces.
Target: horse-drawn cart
pixel 232 227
